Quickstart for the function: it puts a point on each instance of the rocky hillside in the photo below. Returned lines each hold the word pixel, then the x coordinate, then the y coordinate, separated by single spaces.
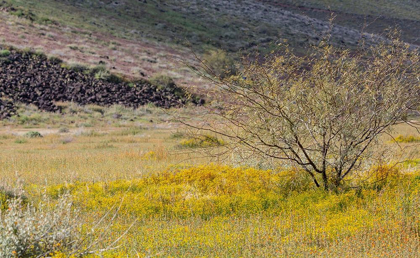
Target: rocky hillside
pixel 31 78
pixel 141 38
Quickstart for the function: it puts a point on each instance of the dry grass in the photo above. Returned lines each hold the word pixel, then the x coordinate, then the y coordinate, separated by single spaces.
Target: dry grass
pixel 209 211
pixel 103 156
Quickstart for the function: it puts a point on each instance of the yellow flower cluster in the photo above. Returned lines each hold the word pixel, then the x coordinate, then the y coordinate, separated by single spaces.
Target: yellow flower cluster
pixel 201 141
pixel 212 190
pixel 224 211
pixel 199 191
pixel 407 139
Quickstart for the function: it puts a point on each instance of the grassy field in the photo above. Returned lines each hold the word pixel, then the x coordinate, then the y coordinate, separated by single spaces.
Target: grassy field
pixel 184 204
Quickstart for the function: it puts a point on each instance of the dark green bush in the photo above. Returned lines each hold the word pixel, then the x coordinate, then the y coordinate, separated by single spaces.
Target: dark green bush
pixel 33 134
pixel 4 53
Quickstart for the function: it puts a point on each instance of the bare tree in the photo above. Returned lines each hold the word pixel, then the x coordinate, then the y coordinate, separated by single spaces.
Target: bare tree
pixel 324 111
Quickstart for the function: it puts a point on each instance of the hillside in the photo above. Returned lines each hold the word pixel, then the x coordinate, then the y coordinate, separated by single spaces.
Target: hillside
pixel 141 38
pixel 370 16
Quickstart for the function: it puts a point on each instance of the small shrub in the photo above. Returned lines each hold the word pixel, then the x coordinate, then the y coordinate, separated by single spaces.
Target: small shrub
pixel 45 21
pixel 220 63
pixel 85 125
pixel 104 145
pixel 177 135
pixel 66 140
pixel 55 60
pixel 4 53
pixel 100 72
pixel 407 139
pixel 90 133
pixel 381 176
pixel 33 134
pixel 5 136
pixel 24 13
pixel 32 119
pixel 162 81
pixel 29 231
pixel 202 141
pixel 7 195
pixel 63 130
pixel 159 153
pixel 73 47
pixel 21 141
pixel 130 131
pixel 113 78
pixel 98 109
pixel 75 67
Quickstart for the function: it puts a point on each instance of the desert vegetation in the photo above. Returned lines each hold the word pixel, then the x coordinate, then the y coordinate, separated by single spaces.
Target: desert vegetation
pixel 162 200
pixel 97 181
pixel 209 129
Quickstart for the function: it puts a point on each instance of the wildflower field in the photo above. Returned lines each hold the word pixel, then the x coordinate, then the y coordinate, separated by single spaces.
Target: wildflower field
pixel 122 190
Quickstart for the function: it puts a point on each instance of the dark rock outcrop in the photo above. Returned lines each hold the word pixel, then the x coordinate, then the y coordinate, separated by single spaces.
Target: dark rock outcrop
pixel 7 109
pixel 34 79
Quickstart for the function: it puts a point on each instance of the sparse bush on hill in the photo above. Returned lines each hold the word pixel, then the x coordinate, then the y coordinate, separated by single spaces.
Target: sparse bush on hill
pixel 165 82
pixel 321 112
pixel 4 53
pixel 162 81
pixel 74 67
pixel 100 72
pixel 219 64
pixel 24 13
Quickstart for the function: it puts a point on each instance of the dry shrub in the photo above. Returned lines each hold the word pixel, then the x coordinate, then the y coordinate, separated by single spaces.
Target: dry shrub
pixel 322 112
pixel 27 230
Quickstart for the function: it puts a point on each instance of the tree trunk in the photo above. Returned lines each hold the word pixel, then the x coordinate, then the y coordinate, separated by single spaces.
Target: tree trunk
pixel 325 180
pixel 316 182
